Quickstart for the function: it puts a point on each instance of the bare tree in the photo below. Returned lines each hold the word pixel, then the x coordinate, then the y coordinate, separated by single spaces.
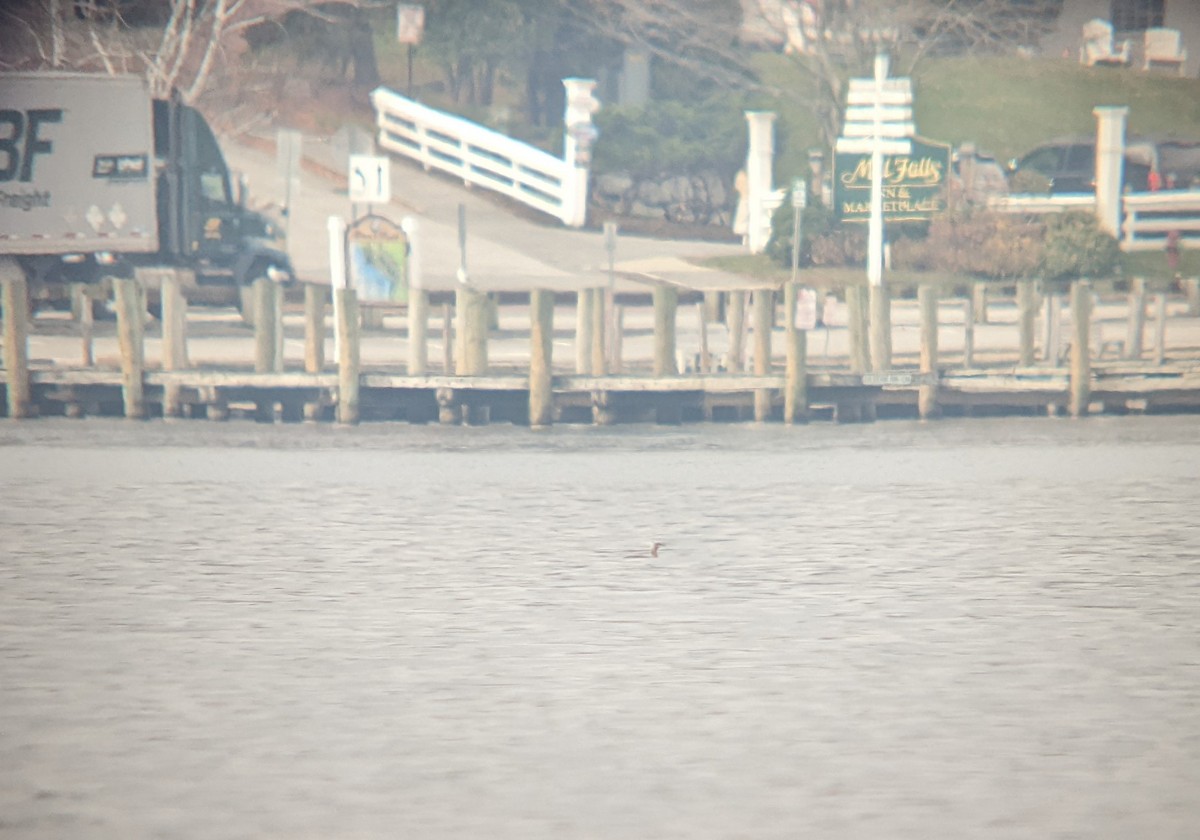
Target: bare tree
pixel 194 38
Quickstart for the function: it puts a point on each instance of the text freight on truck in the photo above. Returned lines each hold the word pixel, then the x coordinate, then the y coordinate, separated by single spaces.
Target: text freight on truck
pixel 98 178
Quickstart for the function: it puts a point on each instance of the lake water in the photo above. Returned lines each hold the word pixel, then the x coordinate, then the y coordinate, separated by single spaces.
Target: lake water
pixel 975 629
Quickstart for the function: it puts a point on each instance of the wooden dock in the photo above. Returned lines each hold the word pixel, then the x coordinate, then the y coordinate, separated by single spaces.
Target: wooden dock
pixel 1078 372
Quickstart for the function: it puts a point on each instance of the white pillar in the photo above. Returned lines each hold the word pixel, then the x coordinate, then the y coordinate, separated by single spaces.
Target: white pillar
pixel 1110 160
pixel 577 142
pixel 759 163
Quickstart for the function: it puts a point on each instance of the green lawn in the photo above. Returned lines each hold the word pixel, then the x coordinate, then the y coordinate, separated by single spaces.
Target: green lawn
pixel 1006 106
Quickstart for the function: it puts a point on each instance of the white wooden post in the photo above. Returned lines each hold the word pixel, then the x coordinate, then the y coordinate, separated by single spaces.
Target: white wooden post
pixel 577 142
pixel 1110 158
pixel 759 165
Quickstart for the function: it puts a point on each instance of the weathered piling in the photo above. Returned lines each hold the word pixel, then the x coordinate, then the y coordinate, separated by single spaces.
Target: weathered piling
pixel 265 325
pixel 16 337
pixel 280 299
pixel 81 304
pixel 735 322
pixel 1081 363
pixel 927 395
pixel 1136 326
pixel 131 319
pixel 418 332
pixel 174 336
pixel 1026 321
pixel 1053 341
pixel 314 328
pixel 314 339
pixel 856 326
pixel 473 314
pixel 599 363
pixel 979 295
pixel 447 338
pixel 349 362
pixel 583 331
pixel 705 360
pixel 1160 327
pixel 969 331
pixel 1191 293
pixel 881 327
pixel 618 339
pixel 764 317
pixel 541 361
pixel 666 301
pixel 266 340
pixel 795 393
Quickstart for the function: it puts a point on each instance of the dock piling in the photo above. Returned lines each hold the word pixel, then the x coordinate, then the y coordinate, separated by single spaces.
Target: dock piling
pixel 541 360
pixel 131 319
pixel 16 337
pixel 856 327
pixel 174 336
pixel 583 331
pixel 735 321
pixel 1081 362
pixel 666 301
pixel 795 394
pixel 418 332
pixel 1026 321
pixel 1135 330
pixel 927 395
pixel 266 341
pixel 473 313
pixel 881 327
pixel 349 360
pixel 764 317
pixel 1160 328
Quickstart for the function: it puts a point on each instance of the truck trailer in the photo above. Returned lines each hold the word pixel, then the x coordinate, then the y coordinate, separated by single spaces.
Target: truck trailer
pixel 99 178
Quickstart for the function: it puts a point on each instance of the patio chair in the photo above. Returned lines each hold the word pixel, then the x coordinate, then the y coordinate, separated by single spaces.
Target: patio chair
pixel 1165 47
pixel 1098 46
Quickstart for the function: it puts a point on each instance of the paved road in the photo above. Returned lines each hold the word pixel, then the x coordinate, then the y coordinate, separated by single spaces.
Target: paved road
pixel 506 250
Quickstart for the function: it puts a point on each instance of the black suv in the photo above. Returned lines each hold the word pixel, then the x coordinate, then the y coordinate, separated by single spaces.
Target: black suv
pixel 1070 166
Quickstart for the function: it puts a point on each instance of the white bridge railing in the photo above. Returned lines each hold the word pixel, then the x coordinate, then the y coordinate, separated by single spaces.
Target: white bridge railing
pixel 480 156
pixel 1147 218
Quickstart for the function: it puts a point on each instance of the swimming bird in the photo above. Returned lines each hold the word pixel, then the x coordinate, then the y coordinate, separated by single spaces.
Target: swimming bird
pixel 654 547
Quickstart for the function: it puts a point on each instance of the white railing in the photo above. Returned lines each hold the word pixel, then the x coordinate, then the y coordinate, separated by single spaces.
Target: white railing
pixel 1147 217
pixel 1041 203
pixel 480 156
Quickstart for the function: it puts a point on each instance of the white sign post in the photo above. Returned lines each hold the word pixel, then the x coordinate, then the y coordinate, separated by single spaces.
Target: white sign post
pixel 878 122
pixel 370 179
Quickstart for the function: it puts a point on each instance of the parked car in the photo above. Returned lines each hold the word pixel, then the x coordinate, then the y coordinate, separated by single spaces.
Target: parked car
pixel 1179 164
pixel 1069 166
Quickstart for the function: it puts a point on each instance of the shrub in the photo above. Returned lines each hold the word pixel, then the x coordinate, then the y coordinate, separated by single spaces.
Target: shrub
pixel 1076 247
pixel 983 244
pixel 823 240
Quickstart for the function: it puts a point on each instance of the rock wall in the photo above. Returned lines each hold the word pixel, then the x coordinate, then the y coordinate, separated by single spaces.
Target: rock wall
pixel 693 200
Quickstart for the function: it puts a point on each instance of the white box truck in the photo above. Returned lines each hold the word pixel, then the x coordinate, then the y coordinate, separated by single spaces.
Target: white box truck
pixel 97 178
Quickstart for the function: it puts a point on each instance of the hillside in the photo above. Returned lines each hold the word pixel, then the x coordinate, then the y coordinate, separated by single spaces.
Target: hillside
pixel 1005 105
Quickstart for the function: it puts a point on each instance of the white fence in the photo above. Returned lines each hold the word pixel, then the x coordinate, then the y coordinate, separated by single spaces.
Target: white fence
pixel 1147 217
pixel 480 156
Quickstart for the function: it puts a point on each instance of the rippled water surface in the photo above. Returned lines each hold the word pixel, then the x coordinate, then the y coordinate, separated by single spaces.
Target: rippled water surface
pixel 962 629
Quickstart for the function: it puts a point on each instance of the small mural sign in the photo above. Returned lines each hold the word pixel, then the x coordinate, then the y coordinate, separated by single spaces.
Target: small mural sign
pixel 914 184
pixel 377 255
